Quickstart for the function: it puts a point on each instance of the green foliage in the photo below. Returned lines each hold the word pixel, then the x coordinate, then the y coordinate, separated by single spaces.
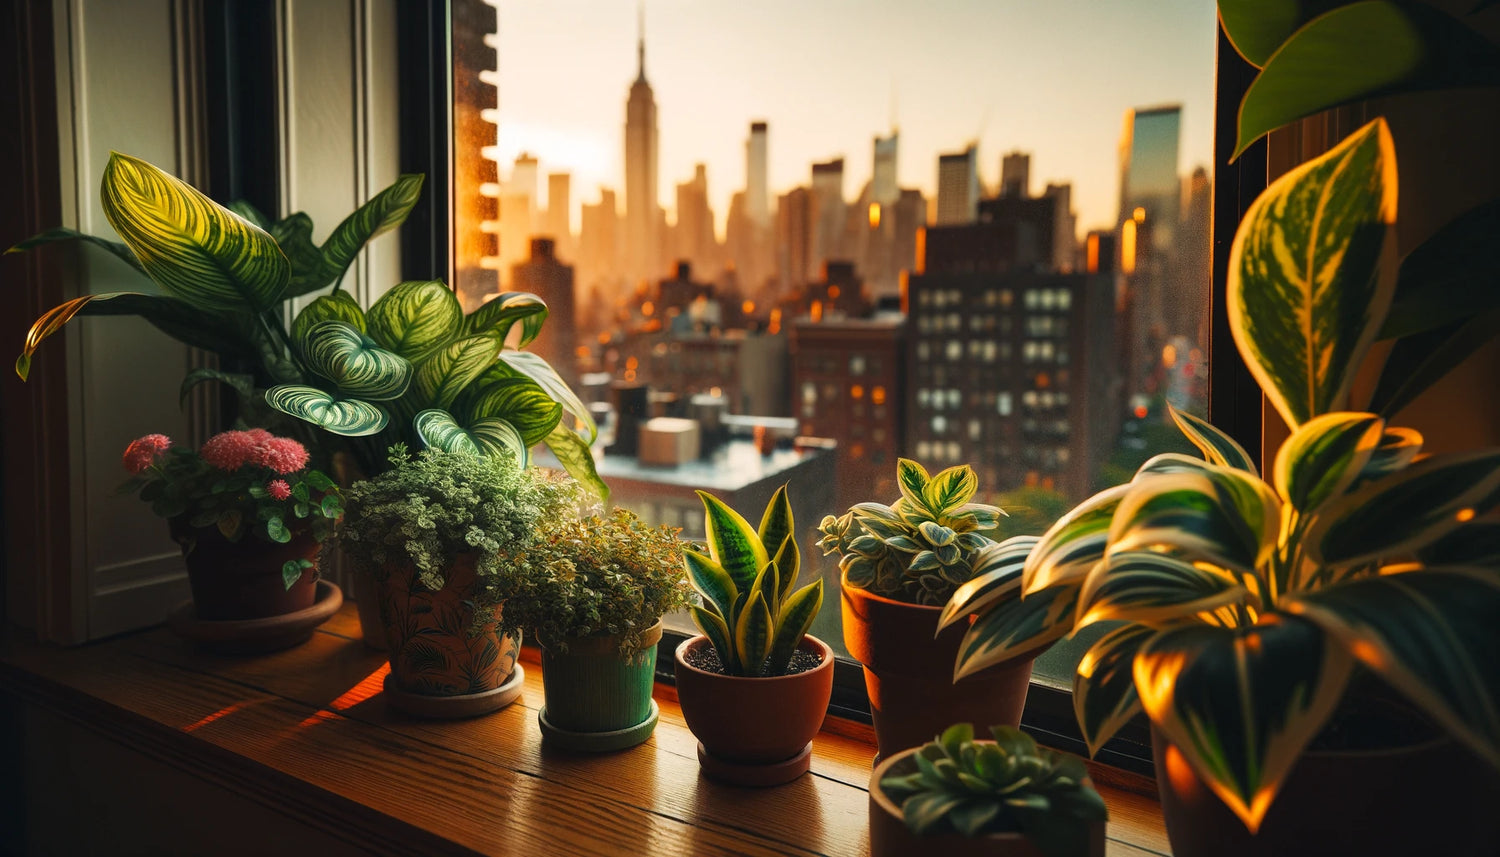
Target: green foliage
pixel 751 611
pixel 608 575
pixel 1005 786
pixel 920 548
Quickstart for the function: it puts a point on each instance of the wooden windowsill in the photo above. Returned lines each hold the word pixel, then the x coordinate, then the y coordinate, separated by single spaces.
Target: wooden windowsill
pixel 306 733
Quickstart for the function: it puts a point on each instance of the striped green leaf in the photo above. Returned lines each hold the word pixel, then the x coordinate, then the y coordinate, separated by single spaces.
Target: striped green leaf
pixel 1257 28
pixel 912 479
pixel 62 233
pixel 1432 636
pixel 338 306
pixel 441 377
pixel 950 489
pixel 752 635
pixel 1071 547
pixel 574 454
pixel 796 616
pixel 385 211
pixel 788 562
pixel 731 542
pixel 519 402
pixel 415 319
pixel 1173 462
pixel 717 632
pixel 1104 696
pixel 1154 589
pixel 293 235
pixel 1241 704
pixel 1017 626
pixel 1305 297
pixel 539 371
pixel 1220 516
pixel 997 577
pixel 498 316
pixel 1218 447
pixel 768 584
pixel 347 417
pixel 437 429
pixel 711 582
pixel 776 523
pixel 194 248
pixel 245 209
pixel 360 368
pixel 1324 457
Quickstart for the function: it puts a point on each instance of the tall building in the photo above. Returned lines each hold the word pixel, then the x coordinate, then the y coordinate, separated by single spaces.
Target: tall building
pixel 642 237
pixel 794 211
pixel 1148 170
pixel 958 187
pixel 757 200
pixel 884 190
pixel 1015 174
pixel 829 216
pixel 515 230
pixel 694 239
pixel 523 178
pixel 558 225
pixel 599 257
pixel 1065 239
pixel 544 276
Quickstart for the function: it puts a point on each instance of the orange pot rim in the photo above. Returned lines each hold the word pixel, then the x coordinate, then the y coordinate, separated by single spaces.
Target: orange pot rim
pixel 844 587
pixel 825 650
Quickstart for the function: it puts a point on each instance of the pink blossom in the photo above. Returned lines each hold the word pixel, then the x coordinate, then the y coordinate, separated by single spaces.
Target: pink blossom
pixel 143 452
pixel 281 454
pixel 278 489
pixel 228 450
pixel 259 435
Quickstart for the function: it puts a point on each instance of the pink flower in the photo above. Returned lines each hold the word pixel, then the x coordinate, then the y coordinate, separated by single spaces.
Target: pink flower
pixel 228 450
pixel 281 454
pixel 259 435
pixel 143 452
pixel 278 489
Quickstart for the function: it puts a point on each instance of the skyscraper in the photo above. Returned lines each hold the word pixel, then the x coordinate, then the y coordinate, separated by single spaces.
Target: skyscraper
pixel 552 281
pixel 828 216
pixel 642 240
pixel 694 235
pixel 1015 174
pixel 793 237
pixel 757 203
pixel 1148 170
pixel 559 214
pixel 883 183
pixel 958 187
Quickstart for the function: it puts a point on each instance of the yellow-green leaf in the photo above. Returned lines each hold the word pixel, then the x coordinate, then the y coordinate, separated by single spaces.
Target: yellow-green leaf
pixel 731 542
pixel 415 319
pixel 1104 696
pixel 752 635
pixel 336 350
pixel 573 452
pixel 1074 544
pixel 445 374
pixel 711 582
pixel 339 306
pixel 1216 446
pixel 1154 589
pixel 1324 457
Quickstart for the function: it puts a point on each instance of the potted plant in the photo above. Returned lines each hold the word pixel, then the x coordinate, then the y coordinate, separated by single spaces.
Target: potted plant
pixel 592 592
pixel 900 563
pixel 1311 635
pixel 250 518
pixel 965 798
pixel 433 533
pixel 754 686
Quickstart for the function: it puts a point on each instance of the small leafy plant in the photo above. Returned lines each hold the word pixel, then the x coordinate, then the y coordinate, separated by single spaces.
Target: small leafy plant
pixel 238 482
pixel 751 612
pixel 920 548
pixel 1008 786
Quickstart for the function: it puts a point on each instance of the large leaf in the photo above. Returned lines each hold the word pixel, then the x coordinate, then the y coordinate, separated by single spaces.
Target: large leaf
pixel 1361 51
pixel 1476 544
pixel 336 350
pixel 194 248
pixel 491 436
pixel 348 417
pixel 445 374
pixel 1216 446
pixel 1155 589
pixel 1325 456
pixel 519 402
pixel 242 384
pixel 339 306
pixel 1431 635
pixel 385 211
pixel 538 370
pixel 711 581
pixel 1071 547
pixel 1224 517
pixel 1104 696
pixel 1304 294
pixel 1257 28
pixel 498 316
pixel 997 576
pixel 573 452
pixel 776 523
pixel 62 233
pixel 415 319
pixel 1241 704
pixel 293 235
pixel 912 478
pixel 1017 626
pixel 1418 361
pixel 732 543
pixel 1450 278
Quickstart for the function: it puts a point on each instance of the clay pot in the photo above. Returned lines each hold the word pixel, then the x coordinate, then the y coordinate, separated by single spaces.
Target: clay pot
pixel 754 731
pixel 890 837
pixel 234 581
pixel 1434 797
pixel 597 699
pixel 909 674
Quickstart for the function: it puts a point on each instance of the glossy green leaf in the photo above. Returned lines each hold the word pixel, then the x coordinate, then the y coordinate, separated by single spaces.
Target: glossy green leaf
pixel 731 542
pixel 752 635
pixel 1154 589
pixel 1324 457
pixel 777 522
pixel 415 319
pixel 1017 626
pixel 438 430
pixel 1071 547
pixel 339 306
pixel 1419 361
pixel 998 569
pixel 347 417
pixel 1305 297
pixel 291 572
pixel 445 374
pixel 498 316
pixel 244 385
pixel 519 402
pixel 336 350
pixel 574 454
pixel 711 581
pixel 928 810
pixel 796 617
pixel 536 368
pixel 912 479
pixel 788 562
pixel 293 235
pixel 1257 28
pixel 1218 447
pixel 1450 278
pixel 717 632
pixel 950 489
pixel 245 209
pixel 385 211
pixel 1104 696
pixel 1241 704
pixel 52 236
pixel 194 248
pixel 1222 516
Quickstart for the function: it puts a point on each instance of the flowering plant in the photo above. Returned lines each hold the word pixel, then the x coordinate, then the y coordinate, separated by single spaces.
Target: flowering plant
pixel 238 482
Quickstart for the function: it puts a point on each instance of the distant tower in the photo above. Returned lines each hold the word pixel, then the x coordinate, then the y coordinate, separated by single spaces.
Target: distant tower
pixel 1148 170
pixel 642 240
pixel 883 186
pixel 958 187
pixel 552 281
pixel 829 216
pixel 559 225
pixel 1015 175
pixel 757 203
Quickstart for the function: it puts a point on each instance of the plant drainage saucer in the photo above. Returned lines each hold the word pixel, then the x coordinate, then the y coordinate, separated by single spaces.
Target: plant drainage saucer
pixel 455 707
pixel 257 636
pixel 598 742
pixel 755 775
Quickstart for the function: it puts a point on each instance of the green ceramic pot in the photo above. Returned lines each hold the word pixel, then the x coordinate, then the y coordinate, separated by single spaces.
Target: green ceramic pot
pixel 596 699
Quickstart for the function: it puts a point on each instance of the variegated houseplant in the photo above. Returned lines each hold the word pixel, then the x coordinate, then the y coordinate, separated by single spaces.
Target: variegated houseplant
pixel 1246 605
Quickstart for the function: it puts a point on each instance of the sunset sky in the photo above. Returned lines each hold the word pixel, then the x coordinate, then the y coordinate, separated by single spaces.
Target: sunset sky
pixel 1052 77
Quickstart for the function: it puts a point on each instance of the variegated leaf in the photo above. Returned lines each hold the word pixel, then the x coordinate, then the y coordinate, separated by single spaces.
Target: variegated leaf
pixel 1017 626
pixel 499 315
pixel 1173 462
pixel 950 489
pixel 1104 696
pixel 711 581
pixel 797 614
pixel 439 430
pixel 535 368
pixel 441 377
pixel 788 562
pixel 1398 448
pixel 717 632
pixel 519 402
pixel 1324 457
pixel 347 417
pixel 1071 547
pixel 339 306
pixel 293 235
pixel 1218 447
pixel 777 522
pixel 912 479
pixel 731 542
pixel 1155 589
pixel 577 459
pixel 62 233
pixel 1225 517
pixel 385 211
pixel 752 635
pixel 415 319
pixel 998 569
pixel 360 368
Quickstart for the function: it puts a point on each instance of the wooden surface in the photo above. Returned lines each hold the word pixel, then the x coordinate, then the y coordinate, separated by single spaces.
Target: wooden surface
pixel 307 733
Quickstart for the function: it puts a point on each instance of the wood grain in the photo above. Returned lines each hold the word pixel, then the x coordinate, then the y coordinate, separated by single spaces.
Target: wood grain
pixel 307 727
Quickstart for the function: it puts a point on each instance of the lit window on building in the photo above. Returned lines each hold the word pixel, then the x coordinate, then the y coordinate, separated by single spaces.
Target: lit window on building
pixel 1048 399
pixel 1064 298
pixel 1003 404
pixel 809 392
pixel 954 397
pixel 924 350
pixel 974 429
pixel 878 435
pixel 1029 399
pixel 857 391
pixel 1033 298
pixel 1063 454
pixel 954 349
pixel 939 424
pixel 954 453
pixel 857 451
pixel 924 398
pixel 924 449
pixel 877 395
pixel 1007 298
pixel 857 364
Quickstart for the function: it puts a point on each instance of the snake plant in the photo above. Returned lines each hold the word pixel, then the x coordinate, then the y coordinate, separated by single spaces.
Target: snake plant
pixel 1246 603
pixel 752 612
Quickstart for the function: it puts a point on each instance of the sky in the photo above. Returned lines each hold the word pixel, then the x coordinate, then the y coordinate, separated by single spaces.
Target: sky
pixel 1050 77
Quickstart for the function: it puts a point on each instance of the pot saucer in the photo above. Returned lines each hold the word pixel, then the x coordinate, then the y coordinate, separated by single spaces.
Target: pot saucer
pixel 598 742
pixel 755 775
pixel 455 707
pixel 257 636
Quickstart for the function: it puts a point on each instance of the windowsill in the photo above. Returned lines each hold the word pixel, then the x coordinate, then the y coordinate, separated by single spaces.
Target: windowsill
pixel 305 733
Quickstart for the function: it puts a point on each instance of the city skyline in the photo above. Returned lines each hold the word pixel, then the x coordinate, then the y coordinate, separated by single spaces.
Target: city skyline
pixel 575 122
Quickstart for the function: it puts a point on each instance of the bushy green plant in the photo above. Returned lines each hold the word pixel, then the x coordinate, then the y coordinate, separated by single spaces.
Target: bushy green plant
pixel 1009 786
pixel 751 612
pixel 596 576
pixel 920 548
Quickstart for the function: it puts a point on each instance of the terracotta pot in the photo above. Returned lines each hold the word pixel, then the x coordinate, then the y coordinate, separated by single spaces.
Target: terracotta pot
pixel 1429 798
pixel 233 581
pixel 596 698
pixel 754 731
pixel 890 837
pixel 909 674
pixel 435 649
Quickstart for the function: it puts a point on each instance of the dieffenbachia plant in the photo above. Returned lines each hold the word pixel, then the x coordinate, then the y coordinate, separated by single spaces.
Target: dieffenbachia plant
pixel 752 612
pixel 1246 603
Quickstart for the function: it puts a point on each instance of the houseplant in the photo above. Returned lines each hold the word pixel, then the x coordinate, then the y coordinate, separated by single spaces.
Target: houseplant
pixel 433 532
pixel 754 686
pixel 250 518
pixel 1349 599
pixel 592 592
pixel 957 796
pixel 900 563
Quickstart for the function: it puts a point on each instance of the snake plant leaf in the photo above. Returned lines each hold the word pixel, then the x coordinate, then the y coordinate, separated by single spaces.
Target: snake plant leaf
pixel 244 208
pixel 1305 296
pixel 731 542
pixel 445 374
pixel 912 479
pixel 294 235
pixel 415 319
pixel 347 417
pixel 385 211
pixel 1071 547
pixel 1220 516
pixel 796 616
pixel 573 453
pixel 1017 626
pixel 360 368
pixel 777 522
pixel 242 384
pixel 498 316
pixel 438 429
pixel 950 489
pixel 1240 704
pixel 711 581
pixel 788 562
pixel 116 248
pixel 768 584
pixel 1405 511
pixel 717 632
pixel 519 402
pixel 996 576
pixel 1218 447
pixel 1418 361
pixel 1257 28
pixel 1429 634
pixel 752 635
pixel 194 248
pixel 1104 696
pixel 338 306
pixel 1450 278
pixel 536 368
pixel 1153 589
pixel 1324 457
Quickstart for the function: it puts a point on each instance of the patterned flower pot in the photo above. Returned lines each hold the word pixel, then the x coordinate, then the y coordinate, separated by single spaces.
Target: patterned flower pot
pixel 597 699
pixel 242 580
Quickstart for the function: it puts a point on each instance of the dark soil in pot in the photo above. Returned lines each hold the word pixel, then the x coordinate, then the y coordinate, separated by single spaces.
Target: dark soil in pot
pixel 706 658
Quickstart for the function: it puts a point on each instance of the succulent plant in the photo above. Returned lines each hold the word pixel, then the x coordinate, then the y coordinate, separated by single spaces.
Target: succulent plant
pixel 1011 785
pixel 751 613
pixel 920 548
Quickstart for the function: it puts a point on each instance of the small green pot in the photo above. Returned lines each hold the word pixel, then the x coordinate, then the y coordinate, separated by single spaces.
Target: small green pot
pixel 596 699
